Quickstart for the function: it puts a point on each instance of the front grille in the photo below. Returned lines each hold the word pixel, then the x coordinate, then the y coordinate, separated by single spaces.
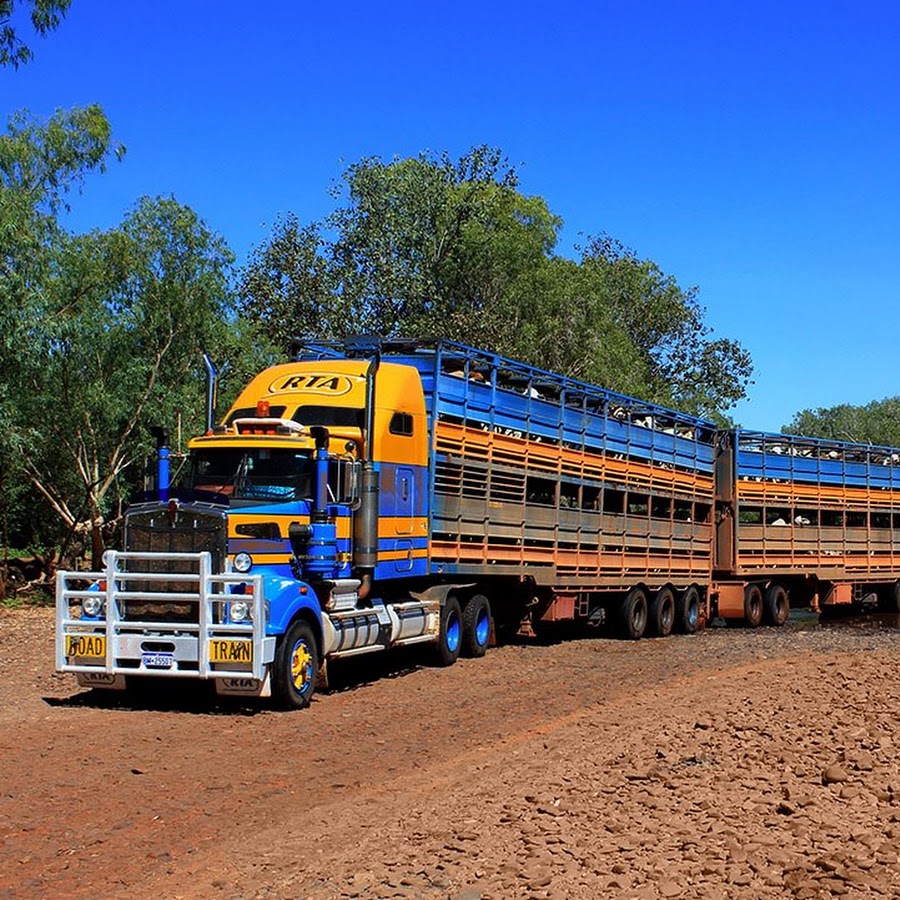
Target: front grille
pixel 156 528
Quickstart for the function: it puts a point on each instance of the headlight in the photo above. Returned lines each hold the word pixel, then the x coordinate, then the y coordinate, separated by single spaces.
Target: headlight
pixel 239 611
pixel 243 562
pixel 92 606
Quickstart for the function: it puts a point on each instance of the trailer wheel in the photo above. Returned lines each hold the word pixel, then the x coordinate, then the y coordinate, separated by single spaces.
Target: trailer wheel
pixel 446 651
pixel 662 612
pixel 633 614
pixel 753 605
pixel 476 625
pixel 778 607
pixel 687 611
pixel 295 667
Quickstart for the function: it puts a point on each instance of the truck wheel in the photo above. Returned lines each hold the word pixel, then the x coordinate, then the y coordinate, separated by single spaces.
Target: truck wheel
pixel 687 611
pixel 633 614
pixel 476 623
pixel 446 651
pixel 778 607
pixel 753 605
pixel 295 667
pixel 662 613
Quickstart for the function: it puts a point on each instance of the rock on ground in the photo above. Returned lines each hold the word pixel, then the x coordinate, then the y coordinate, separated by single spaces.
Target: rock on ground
pixel 732 764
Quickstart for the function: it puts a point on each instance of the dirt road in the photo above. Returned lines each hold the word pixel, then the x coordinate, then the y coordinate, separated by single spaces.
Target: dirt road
pixel 728 764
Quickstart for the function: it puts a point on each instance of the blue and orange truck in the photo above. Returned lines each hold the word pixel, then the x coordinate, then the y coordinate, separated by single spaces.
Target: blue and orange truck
pixel 376 493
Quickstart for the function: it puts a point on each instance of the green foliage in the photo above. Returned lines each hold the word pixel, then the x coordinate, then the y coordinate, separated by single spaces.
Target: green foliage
pixel 430 244
pixel 877 423
pixel 132 310
pixel 40 163
pixel 559 317
pixel 433 246
pixel 45 16
pixel 423 245
pixel 290 285
pixel 100 334
pixel 682 365
pixel 45 159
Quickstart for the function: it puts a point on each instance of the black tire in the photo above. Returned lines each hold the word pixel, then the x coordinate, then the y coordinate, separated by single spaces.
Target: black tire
pixel 476 625
pixel 661 614
pixel 295 667
pixel 777 606
pixel 633 614
pixel 687 611
pixel 450 639
pixel 753 605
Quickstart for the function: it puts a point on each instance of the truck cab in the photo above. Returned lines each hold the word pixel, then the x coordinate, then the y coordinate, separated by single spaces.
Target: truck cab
pixel 260 562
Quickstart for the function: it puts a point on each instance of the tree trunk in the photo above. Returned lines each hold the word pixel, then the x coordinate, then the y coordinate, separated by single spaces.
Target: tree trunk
pixel 97 547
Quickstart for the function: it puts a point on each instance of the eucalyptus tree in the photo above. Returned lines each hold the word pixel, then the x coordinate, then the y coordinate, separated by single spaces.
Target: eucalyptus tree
pixel 419 245
pixel 133 309
pixel 877 422
pixel 44 16
pixel 435 246
pixel 101 334
pixel 41 163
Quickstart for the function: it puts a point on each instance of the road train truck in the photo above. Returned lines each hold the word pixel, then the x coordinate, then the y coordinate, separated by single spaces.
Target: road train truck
pixel 374 493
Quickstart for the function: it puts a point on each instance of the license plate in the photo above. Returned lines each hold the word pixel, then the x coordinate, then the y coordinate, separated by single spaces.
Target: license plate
pixel 86 646
pixel 158 660
pixel 230 651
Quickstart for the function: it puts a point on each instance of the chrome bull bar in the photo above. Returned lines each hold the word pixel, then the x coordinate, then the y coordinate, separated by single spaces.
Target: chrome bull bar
pixel 209 645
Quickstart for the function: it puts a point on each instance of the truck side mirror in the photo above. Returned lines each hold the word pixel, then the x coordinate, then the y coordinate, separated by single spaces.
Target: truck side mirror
pixel 343 481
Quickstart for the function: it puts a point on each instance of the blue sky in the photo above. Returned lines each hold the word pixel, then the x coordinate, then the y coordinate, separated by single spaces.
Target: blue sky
pixel 752 150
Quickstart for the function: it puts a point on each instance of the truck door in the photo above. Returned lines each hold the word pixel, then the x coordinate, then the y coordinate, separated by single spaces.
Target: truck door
pixel 404 492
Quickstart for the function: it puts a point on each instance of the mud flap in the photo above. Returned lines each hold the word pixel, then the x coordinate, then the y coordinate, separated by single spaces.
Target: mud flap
pixel 244 687
pixel 103 680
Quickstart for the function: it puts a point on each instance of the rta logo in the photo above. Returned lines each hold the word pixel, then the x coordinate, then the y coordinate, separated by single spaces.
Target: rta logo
pixel 312 383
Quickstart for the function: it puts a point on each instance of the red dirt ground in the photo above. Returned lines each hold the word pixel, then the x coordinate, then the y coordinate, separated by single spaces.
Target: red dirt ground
pixel 732 764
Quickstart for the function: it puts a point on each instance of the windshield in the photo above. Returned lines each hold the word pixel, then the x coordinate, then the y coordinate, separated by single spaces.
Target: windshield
pixel 260 473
